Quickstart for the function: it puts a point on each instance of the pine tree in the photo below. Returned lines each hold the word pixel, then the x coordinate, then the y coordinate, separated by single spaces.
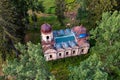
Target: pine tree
pixel 7 27
pixel 21 8
pixel 90 11
pixel 59 10
pixel 104 62
pixel 97 7
pixel 108 43
pixel 30 66
pixel 90 69
pixel 13 18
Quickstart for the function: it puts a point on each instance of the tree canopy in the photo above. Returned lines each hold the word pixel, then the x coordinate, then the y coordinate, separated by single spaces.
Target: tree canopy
pixel 90 11
pixel 31 64
pixel 60 7
pixel 13 18
pixel 103 63
pixel 108 42
pixel 91 69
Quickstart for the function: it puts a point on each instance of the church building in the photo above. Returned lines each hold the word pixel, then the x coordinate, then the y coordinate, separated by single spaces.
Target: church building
pixel 58 44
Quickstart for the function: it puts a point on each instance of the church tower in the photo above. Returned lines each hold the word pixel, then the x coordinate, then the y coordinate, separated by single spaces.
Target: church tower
pixel 46 33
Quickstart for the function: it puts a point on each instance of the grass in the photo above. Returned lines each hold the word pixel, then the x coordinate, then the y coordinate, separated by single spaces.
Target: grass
pixel 49 6
pixel 60 67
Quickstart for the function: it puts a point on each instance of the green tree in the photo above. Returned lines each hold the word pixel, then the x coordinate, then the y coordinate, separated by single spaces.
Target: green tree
pixel 60 7
pixel 30 66
pixel 84 15
pixel 104 62
pixel 108 43
pixel 90 69
pixel 21 8
pixel 97 7
pixel 118 5
pixel 90 11
pixel 13 18
pixel 7 27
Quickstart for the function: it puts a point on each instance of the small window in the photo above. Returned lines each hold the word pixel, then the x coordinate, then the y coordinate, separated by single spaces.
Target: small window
pixel 66 53
pixel 74 52
pixel 59 54
pixel 82 50
pixel 47 37
pixel 50 56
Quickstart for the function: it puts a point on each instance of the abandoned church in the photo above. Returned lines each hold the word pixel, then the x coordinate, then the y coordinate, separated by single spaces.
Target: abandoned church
pixel 58 44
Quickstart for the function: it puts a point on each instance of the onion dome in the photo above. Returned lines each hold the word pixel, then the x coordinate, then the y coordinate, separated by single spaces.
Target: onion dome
pixel 46 28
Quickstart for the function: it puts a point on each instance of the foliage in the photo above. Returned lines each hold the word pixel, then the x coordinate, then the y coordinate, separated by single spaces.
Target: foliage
pixel 49 6
pixel 88 69
pixel 97 7
pixel 84 15
pixel 60 9
pixel 31 64
pixel 108 42
pixel 22 7
pixel 52 20
pixel 69 1
pixel 118 5
pixel 13 18
pixel 103 63
pixel 7 28
pixel 92 10
pixel 60 67
pixel 70 5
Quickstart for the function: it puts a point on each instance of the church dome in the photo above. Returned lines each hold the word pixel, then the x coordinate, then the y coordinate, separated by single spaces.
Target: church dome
pixel 46 28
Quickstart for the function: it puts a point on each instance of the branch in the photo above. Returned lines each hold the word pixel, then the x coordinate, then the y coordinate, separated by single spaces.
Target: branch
pixel 12 37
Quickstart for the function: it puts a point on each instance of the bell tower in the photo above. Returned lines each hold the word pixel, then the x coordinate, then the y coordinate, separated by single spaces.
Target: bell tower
pixel 46 33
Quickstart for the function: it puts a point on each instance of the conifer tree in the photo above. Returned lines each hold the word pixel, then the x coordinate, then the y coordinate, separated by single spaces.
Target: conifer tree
pixel 108 42
pixel 91 69
pixel 104 62
pixel 30 66
pixel 60 7
pixel 90 11
pixel 13 18
pixel 8 28
pixel 97 7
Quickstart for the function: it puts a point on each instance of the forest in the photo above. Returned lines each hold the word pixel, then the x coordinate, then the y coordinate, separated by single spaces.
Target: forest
pixel 21 55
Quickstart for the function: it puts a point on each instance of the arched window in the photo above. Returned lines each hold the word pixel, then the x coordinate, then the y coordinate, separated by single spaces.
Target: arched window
pixel 74 52
pixel 50 56
pixel 47 37
pixel 66 53
pixel 82 50
pixel 59 54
